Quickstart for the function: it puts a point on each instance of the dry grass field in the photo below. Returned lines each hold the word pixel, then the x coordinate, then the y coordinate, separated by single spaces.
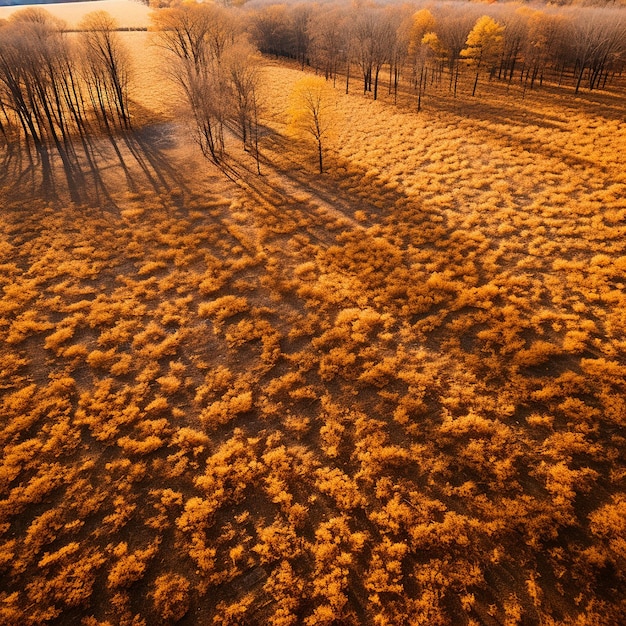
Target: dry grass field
pixel 393 393
pixel 128 13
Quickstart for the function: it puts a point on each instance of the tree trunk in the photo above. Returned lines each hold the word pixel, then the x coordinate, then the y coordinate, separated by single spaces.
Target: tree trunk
pixel 319 154
pixel 256 138
pixel 376 83
pixel 512 68
pixel 452 81
pixel 580 78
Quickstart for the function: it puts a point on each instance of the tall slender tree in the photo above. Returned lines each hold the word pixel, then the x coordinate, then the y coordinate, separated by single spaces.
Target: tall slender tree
pixel 483 45
pixel 313 112
pixel 187 34
pixel 452 28
pixel 243 79
pixel 107 68
pixel 329 32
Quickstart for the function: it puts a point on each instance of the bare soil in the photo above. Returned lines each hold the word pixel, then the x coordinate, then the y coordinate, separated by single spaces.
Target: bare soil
pixel 390 393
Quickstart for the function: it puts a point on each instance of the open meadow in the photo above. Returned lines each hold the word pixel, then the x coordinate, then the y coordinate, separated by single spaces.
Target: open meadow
pixel 130 14
pixel 393 393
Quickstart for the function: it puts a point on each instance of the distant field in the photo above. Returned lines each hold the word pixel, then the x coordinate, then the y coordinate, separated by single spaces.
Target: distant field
pixel 393 393
pixel 128 13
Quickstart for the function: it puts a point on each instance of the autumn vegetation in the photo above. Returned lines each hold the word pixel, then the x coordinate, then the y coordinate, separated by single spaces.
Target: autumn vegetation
pixel 314 315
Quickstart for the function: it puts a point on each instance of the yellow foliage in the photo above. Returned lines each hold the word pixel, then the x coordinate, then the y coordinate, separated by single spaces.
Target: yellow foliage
pixel 277 541
pixel 340 487
pixel 140 446
pixel 222 411
pixel 129 567
pixel 171 596
pixel 70 580
pixel 190 440
pixel 385 569
pixel 539 352
pixel 26 325
pixel 223 308
pixel 313 112
pixel 609 523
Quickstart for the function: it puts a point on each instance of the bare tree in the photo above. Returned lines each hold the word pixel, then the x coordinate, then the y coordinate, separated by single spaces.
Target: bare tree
pixel 271 30
pixel 243 74
pixel 328 32
pixel 544 34
pixel 194 52
pixel 313 112
pixel 452 28
pixel 515 22
pixel 598 40
pixel 18 97
pixel 183 32
pixel 107 68
pixel 222 31
pixel 214 70
pixel 399 20
pixel 35 72
pixel 374 38
pixel 300 17
pixel 46 71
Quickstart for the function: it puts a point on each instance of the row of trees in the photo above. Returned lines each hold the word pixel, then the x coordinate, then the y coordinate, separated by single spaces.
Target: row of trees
pixel 217 71
pixel 54 88
pixel 585 45
pixel 59 89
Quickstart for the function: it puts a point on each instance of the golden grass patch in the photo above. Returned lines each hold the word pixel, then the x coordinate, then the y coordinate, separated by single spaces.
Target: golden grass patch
pixel 392 392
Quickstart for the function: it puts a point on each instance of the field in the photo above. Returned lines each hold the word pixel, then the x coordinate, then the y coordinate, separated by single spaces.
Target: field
pixel 129 13
pixel 392 393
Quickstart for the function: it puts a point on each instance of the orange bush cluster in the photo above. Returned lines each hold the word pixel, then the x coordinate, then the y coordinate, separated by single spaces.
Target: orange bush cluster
pixel 393 394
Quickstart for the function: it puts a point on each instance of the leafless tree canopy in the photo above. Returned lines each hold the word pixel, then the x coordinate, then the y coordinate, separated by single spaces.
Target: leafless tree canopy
pixel 55 90
pixel 216 69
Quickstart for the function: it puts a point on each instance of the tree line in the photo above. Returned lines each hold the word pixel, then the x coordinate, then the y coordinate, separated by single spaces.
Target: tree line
pixel 584 47
pixel 55 89
pixel 59 88
pixel 211 51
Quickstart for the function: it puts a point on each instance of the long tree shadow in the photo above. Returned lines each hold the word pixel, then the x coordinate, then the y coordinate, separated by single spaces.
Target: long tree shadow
pixel 148 147
pixel 97 167
pixel 345 191
pixel 345 202
pixel 17 168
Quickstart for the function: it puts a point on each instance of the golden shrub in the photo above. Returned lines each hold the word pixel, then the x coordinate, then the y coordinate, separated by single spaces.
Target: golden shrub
pixel 170 595
pixel 222 411
pixel 129 567
pixel 223 308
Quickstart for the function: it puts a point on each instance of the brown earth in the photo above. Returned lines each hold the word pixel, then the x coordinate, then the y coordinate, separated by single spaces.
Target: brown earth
pixel 389 394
